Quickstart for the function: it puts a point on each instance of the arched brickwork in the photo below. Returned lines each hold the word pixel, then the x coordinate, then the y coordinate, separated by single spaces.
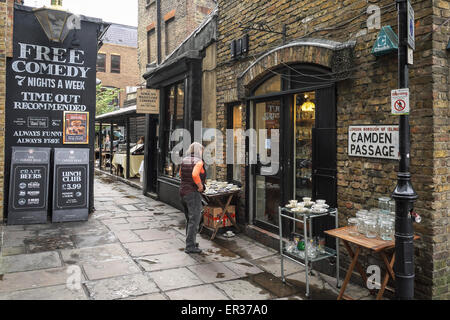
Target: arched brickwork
pixel 314 51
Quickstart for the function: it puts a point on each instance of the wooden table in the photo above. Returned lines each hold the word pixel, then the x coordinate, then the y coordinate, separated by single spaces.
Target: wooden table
pixel 222 200
pixel 375 245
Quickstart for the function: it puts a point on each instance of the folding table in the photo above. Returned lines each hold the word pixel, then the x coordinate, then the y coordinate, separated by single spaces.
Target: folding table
pixel 375 245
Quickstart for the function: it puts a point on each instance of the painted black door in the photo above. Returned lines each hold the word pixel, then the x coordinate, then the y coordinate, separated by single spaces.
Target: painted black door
pixel 324 168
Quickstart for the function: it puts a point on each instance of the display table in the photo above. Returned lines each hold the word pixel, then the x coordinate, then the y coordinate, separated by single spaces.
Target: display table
pixel 223 201
pixel 120 159
pixel 375 245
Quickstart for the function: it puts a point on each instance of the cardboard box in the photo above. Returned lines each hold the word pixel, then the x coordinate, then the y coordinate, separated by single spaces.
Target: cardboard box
pixel 211 216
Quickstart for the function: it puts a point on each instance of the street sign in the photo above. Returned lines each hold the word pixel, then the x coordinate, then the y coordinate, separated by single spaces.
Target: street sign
pixel 410 56
pixel 411 27
pixel 400 101
pixel 373 141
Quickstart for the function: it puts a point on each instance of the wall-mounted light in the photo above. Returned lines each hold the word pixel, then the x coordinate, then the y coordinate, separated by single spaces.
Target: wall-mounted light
pixel 54 21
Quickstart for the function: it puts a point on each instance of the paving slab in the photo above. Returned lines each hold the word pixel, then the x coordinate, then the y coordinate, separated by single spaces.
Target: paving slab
pixel 34 279
pixel 274 285
pixel 166 261
pixel 82 241
pixel 29 262
pixel 272 264
pixel 204 292
pixel 13 251
pixel 110 222
pixel 242 267
pixel 140 219
pixel 243 290
pixel 16 238
pixel 108 252
pixel 126 236
pixel 155 234
pixel 60 292
pixel 109 269
pixel 49 243
pixel 121 287
pixel 175 278
pixel 147 248
pixel 254 252
pixel 319 290
pixel 213 272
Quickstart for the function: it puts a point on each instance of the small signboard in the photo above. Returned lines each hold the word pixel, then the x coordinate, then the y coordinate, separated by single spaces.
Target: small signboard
pixel 411 27
pixel 28 191
pixel 71 185
pixel 400 102
pixel 387 42
pixel 147 101
pixel 374 141
pixel 76 128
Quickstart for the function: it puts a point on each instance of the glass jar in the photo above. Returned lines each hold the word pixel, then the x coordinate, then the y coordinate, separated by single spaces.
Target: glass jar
pixel 386 230
pixel 353 224
pixel 371 228
pixel 392 207
pixel 361 216
pixel 383 204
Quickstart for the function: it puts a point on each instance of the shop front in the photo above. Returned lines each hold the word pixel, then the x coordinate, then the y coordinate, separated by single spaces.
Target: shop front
pixel 298 101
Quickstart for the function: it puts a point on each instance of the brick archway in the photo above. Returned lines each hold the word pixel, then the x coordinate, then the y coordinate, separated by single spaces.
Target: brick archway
pixel 333 55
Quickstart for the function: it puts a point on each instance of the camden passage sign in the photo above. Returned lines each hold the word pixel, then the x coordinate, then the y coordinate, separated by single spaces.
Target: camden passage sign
pixel 373 141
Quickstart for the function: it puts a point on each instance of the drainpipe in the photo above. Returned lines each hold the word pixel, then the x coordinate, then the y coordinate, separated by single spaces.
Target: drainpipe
pixel 158 31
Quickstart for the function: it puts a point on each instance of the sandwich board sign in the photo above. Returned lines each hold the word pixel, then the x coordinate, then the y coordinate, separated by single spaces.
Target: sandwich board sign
pixel 400 102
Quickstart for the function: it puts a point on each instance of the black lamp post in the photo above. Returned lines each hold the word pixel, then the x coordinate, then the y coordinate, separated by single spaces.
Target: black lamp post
pixel 404 193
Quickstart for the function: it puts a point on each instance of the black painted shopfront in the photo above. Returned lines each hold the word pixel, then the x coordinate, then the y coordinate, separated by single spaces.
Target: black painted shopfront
pixel 299 101
pixel 179 83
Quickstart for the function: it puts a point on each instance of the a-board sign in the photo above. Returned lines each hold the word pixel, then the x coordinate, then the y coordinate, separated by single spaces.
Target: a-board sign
pixel 70 185
pixel 28 191
pixel 147 101
pixel 374 141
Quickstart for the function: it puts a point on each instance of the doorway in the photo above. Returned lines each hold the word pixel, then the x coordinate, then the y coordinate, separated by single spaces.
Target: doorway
pixel 306 120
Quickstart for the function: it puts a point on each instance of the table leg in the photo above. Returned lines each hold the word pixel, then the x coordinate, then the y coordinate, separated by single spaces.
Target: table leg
pixel 350 270
pixel 358 265
pixel 389 273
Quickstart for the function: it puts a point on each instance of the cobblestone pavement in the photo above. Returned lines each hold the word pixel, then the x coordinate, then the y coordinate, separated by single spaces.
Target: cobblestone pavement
pixel 132 248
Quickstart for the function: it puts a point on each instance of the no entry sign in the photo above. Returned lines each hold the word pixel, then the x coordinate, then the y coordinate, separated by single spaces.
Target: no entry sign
pixel 400 101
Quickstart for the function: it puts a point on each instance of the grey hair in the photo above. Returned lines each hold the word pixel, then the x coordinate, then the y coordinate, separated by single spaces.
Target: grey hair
pixel 196 149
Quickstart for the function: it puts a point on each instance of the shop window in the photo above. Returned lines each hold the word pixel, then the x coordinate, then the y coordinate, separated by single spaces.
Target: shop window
pixel 271 85
pixel 115 63
pixel 174 119
pixel 101 62
pixel 239 142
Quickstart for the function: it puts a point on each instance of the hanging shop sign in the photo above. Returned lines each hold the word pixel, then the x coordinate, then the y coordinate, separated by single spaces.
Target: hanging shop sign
pixel 28 191
pixel 387 42
pixel 70 185
pixel 400 102
pixel 374 141
pixel 147 101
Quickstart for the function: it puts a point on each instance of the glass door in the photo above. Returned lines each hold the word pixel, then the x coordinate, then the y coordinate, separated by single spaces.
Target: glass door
pixel 304 122
pixel 267 182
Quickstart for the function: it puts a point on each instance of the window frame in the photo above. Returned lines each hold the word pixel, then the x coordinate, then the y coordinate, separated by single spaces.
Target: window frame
pixel 114 70
pixel 150 33
pixel 100 69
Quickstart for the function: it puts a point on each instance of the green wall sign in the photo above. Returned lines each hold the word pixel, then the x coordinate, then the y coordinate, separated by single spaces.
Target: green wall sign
pixel 387 42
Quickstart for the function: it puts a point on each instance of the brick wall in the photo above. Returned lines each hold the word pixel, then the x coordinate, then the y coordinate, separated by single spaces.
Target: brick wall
pixel 179 18
pixel 365 98
pixel 129 71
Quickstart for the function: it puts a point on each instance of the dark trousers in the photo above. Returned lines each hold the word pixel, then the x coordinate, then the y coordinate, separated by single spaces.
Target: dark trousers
pixel 193 206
